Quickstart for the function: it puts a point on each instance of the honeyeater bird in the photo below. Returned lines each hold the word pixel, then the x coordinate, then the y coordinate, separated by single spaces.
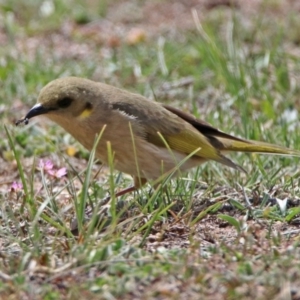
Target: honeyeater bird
pixel 148 139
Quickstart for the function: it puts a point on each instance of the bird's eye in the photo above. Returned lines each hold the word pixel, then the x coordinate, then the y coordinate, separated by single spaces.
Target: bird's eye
pixel 64 102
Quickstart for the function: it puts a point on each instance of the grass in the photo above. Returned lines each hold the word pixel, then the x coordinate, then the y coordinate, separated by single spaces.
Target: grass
pixel 213 232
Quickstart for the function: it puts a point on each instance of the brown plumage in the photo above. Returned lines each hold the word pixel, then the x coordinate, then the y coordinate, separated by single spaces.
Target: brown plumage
pixel 148 139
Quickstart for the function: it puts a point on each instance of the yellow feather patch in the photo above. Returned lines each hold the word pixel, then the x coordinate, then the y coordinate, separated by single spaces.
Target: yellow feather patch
pixel 85 113
pixel 187 142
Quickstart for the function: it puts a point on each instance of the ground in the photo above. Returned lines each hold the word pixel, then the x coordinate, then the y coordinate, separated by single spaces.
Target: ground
pixel 213 233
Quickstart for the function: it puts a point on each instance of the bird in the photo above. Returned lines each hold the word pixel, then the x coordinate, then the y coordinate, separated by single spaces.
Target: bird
pixel 148 139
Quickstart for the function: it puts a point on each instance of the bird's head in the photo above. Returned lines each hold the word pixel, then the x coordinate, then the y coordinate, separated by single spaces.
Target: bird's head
pixel 65 99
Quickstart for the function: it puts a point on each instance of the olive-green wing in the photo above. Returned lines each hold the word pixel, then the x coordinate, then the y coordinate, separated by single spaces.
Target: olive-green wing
pixel 158 122
pixel 164 128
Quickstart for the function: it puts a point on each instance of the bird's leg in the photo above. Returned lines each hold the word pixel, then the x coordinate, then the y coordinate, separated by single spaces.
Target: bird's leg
pixel 138 182
pixel 125 191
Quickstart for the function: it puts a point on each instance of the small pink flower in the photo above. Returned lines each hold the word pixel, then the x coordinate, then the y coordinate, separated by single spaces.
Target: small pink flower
pixel 16 186
pixel 58 173
pixel 46 165
pixel 61 172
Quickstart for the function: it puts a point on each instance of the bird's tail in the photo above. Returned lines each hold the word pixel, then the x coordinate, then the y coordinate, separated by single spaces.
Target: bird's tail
pixel 226 145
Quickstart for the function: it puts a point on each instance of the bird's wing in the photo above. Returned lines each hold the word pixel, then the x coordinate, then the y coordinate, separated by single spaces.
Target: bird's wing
pixel 165 127
pixel 157 122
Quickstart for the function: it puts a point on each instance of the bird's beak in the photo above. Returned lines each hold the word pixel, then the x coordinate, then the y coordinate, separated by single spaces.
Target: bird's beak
pixel 36 110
